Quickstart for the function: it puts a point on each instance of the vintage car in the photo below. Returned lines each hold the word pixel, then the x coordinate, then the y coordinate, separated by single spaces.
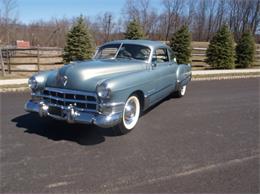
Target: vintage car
pixel 123 79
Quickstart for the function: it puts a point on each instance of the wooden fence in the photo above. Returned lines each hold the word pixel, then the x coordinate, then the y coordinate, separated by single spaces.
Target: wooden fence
pixel 45 58
pixel 199 56
pixel 31 60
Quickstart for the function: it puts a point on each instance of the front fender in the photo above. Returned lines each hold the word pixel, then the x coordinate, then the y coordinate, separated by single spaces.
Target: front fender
pixel 123 86
pixel 43 77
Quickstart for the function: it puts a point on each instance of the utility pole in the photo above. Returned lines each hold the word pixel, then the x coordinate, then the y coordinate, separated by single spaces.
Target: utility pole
pixel 109 26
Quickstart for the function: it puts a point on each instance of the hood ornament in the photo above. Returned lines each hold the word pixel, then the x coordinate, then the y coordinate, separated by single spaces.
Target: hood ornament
pixel 62 80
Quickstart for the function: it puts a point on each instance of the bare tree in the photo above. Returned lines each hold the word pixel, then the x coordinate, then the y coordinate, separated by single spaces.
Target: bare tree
pixel 141 11
pixel 103 27
pixel 172 12
pixel 244 15
pixel 221 11
pixel 211 16
pixel 255 18
pixel 8 17
pixel 200 20
pixel 191 12
pixel 106 25
pixel 204 18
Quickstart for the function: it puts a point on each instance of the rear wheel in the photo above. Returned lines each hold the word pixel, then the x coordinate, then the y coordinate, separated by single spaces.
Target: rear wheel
pixel 130 117
pixel 180 92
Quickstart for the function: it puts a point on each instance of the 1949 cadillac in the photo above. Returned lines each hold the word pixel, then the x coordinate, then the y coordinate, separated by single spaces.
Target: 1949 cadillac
pixel 123 79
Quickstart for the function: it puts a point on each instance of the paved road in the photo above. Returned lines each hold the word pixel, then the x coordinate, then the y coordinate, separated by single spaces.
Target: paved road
pixel 206 142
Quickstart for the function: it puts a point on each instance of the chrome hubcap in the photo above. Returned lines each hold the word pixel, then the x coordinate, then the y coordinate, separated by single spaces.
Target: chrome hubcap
pixel 183 90
pixel 131 112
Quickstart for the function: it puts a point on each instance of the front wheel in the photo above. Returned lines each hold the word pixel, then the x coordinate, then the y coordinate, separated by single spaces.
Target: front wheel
pixel 180 92
pixel 130 117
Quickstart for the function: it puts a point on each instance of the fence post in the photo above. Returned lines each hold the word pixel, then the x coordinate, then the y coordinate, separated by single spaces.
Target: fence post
pixel 8 60
pixel 38 59
pixel 2 62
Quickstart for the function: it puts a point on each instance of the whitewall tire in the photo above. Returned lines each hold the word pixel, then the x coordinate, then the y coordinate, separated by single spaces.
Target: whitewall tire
pixel 180 92
pixel 130 115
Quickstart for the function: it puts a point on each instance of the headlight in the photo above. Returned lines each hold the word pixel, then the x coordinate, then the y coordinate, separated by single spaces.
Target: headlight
pixel 33 84
pixel 103 91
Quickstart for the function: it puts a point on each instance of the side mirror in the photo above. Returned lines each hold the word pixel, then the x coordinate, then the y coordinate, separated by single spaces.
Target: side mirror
pixel 175 60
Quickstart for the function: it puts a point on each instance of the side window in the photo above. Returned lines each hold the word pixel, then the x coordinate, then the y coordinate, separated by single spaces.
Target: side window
pixel 172 56
pixel 161 55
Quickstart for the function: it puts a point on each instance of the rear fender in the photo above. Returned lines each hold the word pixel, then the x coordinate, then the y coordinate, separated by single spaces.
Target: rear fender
pixel 183 74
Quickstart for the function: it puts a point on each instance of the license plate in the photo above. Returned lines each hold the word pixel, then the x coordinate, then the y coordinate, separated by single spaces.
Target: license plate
pixel 55 110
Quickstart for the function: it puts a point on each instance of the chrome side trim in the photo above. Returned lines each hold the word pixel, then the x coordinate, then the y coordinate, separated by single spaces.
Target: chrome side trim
pixel 154 92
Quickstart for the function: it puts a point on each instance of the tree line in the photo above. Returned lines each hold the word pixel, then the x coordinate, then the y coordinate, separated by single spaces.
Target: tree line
pixel 221 52
pixel 203 18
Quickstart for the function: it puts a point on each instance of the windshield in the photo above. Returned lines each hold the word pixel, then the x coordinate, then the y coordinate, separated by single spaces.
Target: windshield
pixel 126 51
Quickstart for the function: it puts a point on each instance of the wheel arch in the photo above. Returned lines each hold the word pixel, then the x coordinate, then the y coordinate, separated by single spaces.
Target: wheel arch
pixel 140 95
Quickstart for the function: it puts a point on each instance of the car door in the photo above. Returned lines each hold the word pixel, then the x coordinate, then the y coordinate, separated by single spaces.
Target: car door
pixel 172 68
pixel 163 71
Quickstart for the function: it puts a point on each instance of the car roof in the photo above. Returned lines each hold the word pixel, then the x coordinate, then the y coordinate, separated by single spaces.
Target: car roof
pixel 147 43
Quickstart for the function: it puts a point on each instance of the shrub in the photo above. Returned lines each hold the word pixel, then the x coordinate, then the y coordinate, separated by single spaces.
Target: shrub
pixel 134 31
pixel 220 53
pixel 79 45
pixel 181 45
pixel 245 51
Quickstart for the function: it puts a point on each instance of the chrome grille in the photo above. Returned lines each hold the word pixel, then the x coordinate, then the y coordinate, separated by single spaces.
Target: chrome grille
pixel 62 97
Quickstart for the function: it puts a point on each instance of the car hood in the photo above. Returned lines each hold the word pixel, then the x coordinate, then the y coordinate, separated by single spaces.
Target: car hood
pixel 86 75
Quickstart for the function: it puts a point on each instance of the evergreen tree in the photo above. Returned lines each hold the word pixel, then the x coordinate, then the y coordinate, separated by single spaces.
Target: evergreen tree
pixel 220 52
pixel 181 45
pixel 79 44
pixel 134 31
pixel 245 50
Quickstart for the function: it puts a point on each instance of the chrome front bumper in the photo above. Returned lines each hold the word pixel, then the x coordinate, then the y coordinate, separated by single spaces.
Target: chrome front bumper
pixel 71 115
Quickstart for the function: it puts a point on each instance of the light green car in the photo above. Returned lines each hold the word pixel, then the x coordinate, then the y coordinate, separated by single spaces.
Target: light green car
pixel 123 79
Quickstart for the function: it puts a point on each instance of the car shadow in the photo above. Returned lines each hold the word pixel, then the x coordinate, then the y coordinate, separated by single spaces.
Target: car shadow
pixel 60 130
pixel 168 98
